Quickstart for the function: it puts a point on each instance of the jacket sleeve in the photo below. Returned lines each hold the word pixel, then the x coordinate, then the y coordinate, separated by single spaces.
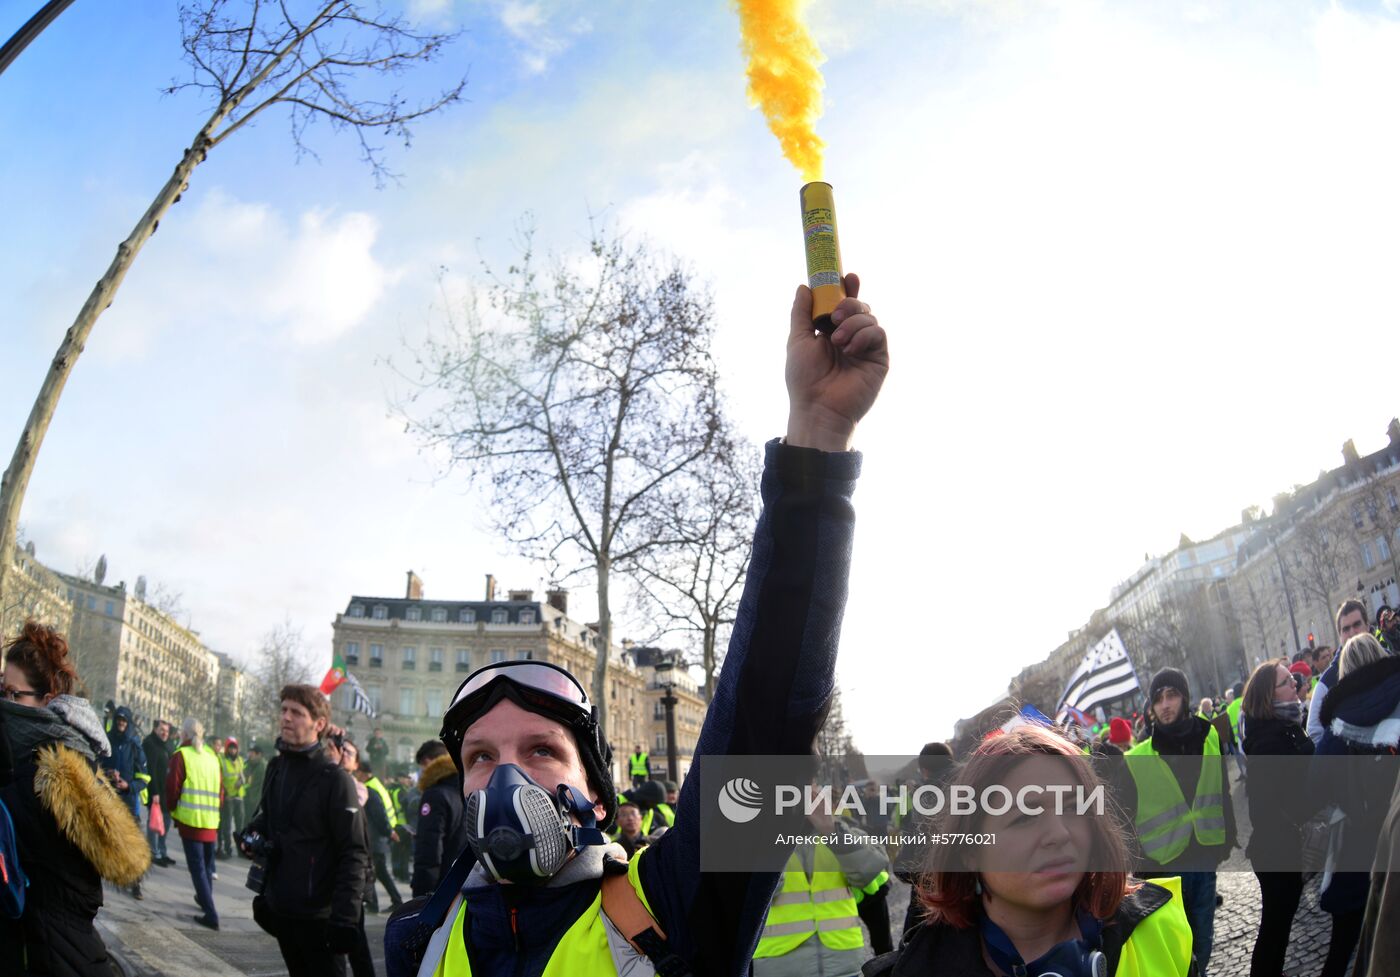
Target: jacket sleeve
pixel 771 697
pixel 427 843
pixel 348 844
pixel 861 863
pixel 1315 706
pixel 174 780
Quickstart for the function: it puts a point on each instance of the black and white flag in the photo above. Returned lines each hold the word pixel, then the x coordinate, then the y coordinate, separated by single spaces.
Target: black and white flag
pixel 1105 674
pixel 359 700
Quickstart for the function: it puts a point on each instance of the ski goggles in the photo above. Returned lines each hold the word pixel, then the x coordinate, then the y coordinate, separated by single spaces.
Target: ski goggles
pixel 539 687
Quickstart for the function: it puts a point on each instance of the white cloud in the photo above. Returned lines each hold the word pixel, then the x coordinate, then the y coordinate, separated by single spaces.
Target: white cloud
pixel 542 31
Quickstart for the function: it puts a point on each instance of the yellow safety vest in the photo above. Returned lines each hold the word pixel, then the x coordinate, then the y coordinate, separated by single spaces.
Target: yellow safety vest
pixel 641 764
pixel 391 810
pixel 1159 945
pixel 233 776
pixel 1164 822
pixel 583 950
pixel 822 905
pixel 872 888
pixel 199 794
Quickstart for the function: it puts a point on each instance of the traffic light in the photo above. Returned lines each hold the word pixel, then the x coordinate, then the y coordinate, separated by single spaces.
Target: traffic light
pixel 1312 643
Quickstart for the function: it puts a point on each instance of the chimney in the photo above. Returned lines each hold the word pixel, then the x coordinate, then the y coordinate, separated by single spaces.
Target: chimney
pixel 1349 454
pixel 558 599
pixel 415 587
pixel 1393 431
pixel 490 586
pixel 524 595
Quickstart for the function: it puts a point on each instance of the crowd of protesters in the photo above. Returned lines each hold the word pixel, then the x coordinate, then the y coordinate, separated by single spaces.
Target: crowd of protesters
pixel 521 855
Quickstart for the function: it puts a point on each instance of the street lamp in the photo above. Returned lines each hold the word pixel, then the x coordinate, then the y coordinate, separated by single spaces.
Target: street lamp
pixel 665 669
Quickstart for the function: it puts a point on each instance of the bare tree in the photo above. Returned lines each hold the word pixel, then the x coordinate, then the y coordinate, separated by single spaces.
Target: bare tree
pixel 693 584
pixel 1176 631
pixel 1318 559
pixel 593 392
pixel 281 661
pixel 248 56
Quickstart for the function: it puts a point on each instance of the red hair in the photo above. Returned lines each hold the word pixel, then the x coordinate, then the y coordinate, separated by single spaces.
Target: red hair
pixel 42 654
pixel 948 885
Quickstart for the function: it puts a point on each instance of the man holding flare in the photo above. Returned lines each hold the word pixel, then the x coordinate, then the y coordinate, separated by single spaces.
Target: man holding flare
pixel 546 893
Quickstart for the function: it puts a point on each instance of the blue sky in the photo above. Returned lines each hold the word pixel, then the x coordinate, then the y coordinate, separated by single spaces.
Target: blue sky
pixel 1136 261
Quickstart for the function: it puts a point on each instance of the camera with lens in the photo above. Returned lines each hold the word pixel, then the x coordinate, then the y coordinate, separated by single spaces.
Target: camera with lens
pixel 262 850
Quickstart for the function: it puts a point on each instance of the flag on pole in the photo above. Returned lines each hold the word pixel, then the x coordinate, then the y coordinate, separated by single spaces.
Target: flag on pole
pixel 1105 674
pixel 360 699
pixel 1077 716
pixel 334 677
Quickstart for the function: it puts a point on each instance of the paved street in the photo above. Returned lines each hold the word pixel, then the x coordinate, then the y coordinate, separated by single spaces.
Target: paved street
pixel 158 936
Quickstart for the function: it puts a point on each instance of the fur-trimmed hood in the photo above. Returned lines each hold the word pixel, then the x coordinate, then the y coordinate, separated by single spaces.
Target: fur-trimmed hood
pixel 90 815
pixel 437 770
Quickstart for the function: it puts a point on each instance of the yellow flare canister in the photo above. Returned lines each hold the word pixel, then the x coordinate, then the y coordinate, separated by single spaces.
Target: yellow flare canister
pixel 823 253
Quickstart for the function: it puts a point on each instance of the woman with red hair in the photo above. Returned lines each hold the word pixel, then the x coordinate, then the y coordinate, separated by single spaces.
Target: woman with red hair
pixel 1051 894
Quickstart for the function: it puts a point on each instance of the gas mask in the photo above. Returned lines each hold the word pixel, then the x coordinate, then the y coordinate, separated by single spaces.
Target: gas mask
pixel 1072 958
pixel 521 832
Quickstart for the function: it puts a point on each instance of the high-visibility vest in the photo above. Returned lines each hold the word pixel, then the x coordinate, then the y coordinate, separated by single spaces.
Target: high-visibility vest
pixel 1164 822
pixel 583 951
pixel 396 793
pixel 232 769
pixel 1233 711
pixel 1159 944
pixel 641 764
pixel 390 809
pixel 822 905
pixel 649 816
pixel 199 794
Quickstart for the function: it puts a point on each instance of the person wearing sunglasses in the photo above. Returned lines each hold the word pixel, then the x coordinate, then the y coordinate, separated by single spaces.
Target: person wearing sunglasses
pixel 71 830
pixel 535 894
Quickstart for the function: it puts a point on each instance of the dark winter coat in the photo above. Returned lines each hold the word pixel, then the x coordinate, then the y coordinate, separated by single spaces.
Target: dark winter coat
pixel 50 786
pixel 935 950
pixel 1360 717
pixel 442 833
pixel 309 811
pixel 1278 806
pixel 158 754
pixel 128 760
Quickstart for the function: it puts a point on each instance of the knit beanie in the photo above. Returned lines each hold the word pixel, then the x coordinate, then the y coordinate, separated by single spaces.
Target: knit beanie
pixel 1169 678
pixel 1120 731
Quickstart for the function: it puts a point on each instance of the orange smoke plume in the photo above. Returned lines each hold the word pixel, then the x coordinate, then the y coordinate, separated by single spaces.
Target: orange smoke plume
pixel 783 77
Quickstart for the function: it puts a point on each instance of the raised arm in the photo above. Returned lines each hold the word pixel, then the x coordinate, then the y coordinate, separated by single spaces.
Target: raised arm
pixel 777 679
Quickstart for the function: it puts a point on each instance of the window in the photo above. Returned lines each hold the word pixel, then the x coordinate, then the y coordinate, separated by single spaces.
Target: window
pixel 439 615
pixel 466 616
pixel 464 660
pixel 1368 557
pixel 376 696
pixel 92 602
pixel 433 702
pixel 658 711
pixel 108 608
pixel 1356 519
pixel 1382 548
pixel 406 702
pixel 527 616
pixel 357 610
pixel 414 614
pixel 524 656
pixel 376 656
pixel 410 659
pixel 499 616
pixel 1392 500
pixel 380 612
pixel 434 659
pixel 498 656
pixel 352 652
pixel 660 743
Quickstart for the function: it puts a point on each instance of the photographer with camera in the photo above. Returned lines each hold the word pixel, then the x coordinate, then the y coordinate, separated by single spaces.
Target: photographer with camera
pixel 310 850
